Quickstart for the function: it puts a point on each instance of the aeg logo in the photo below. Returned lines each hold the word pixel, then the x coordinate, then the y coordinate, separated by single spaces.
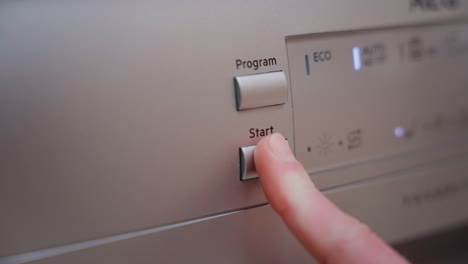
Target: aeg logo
pixel 433 5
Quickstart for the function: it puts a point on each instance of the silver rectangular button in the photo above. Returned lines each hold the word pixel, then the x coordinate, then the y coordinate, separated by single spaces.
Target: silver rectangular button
pixel 247 164
pixel 259 90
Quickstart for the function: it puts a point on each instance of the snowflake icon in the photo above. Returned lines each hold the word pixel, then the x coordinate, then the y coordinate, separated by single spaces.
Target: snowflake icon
pixel 325 145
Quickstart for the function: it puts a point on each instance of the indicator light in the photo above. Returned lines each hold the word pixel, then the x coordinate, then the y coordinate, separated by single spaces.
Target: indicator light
pixel 399 132
pixel 357 58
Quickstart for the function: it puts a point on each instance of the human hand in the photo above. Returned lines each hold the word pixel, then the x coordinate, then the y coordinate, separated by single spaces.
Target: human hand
pixel 329 234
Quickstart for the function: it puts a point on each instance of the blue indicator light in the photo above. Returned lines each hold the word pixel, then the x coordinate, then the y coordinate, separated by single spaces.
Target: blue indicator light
pixel 399 132
pixel 357 58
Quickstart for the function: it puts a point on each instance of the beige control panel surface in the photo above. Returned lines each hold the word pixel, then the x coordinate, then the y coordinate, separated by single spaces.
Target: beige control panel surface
pixel 125 121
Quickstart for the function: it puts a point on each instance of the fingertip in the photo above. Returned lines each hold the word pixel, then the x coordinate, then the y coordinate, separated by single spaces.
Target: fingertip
pixel 261 151
pixel 284 180
pixel 274 156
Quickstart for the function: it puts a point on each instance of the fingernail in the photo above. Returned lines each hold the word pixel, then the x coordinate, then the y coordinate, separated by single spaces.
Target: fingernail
pixel 280 148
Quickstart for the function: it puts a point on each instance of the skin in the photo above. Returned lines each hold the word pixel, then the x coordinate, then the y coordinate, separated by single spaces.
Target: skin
pixel 329 234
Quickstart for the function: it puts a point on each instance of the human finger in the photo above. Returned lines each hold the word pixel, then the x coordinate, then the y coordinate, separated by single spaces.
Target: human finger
pixel 331 235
